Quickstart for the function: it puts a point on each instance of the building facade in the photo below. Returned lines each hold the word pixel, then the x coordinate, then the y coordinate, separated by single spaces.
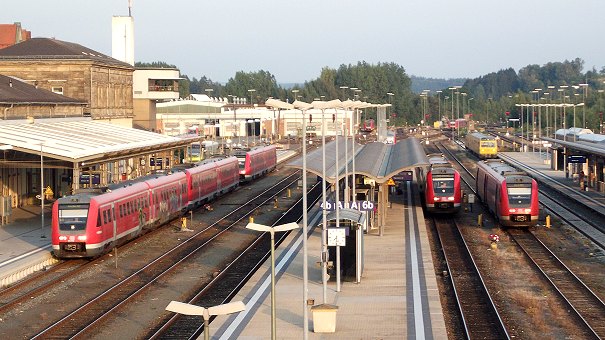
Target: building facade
pixel 75 71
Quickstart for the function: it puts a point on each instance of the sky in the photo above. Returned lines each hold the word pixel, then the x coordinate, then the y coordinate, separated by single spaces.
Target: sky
pixel 294 40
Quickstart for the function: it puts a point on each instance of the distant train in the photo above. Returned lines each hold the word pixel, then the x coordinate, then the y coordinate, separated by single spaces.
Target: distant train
pixel 257 162
pixel 391 138
pixel 439 186
pixel 93 222
pixel 368 125
pixel 482 145
pixel 459 123
pixel 508 193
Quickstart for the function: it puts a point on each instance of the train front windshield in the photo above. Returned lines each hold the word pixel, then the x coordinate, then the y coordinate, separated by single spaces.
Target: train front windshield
pixel 488 144
pixel 73 217
pixel 519 195
pixel 443 186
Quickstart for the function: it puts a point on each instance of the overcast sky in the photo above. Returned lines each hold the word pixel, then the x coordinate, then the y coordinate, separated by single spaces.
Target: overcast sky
pixel 294 40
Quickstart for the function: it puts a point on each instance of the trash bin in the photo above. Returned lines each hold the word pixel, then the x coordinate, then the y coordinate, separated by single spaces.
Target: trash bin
pixel 324 318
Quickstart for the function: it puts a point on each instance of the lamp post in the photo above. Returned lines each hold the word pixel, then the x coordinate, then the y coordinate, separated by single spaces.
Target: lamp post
pixel 208 92
pixel 452 97
pixel 390 94
pixel 188 309
pixel 272 230
pixel 439 102
pixel 574 117
pixel 343 88
pixel 251 92
pixel 584 87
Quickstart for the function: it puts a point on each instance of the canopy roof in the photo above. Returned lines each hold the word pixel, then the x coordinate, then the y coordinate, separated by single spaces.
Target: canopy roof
pixel 376 160
pixel 78 140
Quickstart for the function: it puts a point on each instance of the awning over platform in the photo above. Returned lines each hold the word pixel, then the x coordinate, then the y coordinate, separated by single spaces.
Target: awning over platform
pixel 77 140
pixel 376 160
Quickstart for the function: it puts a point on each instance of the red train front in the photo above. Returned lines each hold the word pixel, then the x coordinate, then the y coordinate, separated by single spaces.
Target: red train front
pixel 442 192
pixel 510 194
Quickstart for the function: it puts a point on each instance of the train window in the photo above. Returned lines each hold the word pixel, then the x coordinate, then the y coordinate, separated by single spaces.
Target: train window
pixel 488 144
pixel 443 186
pixel 519 196
pixel 73 217
pixel 121 210
pixel 105 219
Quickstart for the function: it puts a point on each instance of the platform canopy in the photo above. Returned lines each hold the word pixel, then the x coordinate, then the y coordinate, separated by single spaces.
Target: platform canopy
pixel 78 140
pixel 377 161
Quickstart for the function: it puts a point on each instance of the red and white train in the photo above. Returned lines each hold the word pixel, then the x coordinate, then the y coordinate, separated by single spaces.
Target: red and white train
pixel 257 162
pixel 368 125
pixel 91 223
pixel 440 185
pixel 510 194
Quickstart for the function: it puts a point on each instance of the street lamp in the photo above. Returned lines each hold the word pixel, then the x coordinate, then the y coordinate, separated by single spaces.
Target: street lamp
pixel 584 87
pixel 343 88
pixel 251 91
pixel 452 96
pixel 439 102
pixel 390 94
pixel 209 92
pixel 273 230
pixel 189 309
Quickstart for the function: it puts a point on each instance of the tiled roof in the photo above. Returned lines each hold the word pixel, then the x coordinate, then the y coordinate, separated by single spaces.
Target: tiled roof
pixel 45 48
pixel 21 92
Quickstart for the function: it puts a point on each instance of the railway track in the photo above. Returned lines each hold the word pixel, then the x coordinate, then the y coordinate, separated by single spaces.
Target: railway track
pixel 82 320
pixel 231 279
pixel 572 290
pixel 583 301
pixel 479 313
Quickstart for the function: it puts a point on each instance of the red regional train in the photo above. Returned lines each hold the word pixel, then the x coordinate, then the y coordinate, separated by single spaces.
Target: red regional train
pixel 510 194
pixel 93 222
pixel 368 125
pixel 440 186
pixel 257 162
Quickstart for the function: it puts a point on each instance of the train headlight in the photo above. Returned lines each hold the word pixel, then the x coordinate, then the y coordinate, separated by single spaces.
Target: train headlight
pixel 527 211
pixel 450 198
pixel 62 238
pixel 81 237
pixel 436 199
pixel 512 210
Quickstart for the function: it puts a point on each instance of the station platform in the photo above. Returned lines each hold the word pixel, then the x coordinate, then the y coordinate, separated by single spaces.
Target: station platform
pixel 24 245
pixel 396 298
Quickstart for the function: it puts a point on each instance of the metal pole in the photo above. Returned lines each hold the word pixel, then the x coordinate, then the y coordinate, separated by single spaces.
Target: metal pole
pixel 337 199
pixel 324 231
pixel 272 284
pixel 305 228
pixel 42 189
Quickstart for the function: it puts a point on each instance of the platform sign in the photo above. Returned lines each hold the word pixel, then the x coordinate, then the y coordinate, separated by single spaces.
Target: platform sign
pixel 391 182
pixel 85 179
pixel 355 205
pixel 576 159
pixel 404 176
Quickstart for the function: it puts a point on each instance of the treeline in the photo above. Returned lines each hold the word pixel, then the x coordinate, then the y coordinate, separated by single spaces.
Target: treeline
pixel 488 96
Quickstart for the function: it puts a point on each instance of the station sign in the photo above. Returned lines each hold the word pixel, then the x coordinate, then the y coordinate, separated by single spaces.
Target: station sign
pixel 357 205
pixel 404 176
pixel 85 179
pixel 159 161
pixel 576 159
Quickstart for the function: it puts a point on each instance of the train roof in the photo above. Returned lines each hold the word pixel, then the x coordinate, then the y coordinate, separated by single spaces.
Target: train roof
pixel 481 136
pixel 503 169
pixel 438 160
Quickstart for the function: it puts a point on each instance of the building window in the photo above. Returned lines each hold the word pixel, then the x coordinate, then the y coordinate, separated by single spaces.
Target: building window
pixel 57 89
